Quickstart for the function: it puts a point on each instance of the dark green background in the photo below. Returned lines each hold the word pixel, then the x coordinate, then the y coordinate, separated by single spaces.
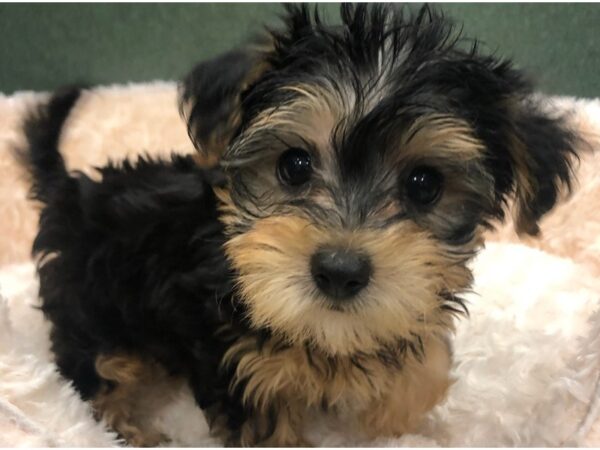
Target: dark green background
pixel 46 45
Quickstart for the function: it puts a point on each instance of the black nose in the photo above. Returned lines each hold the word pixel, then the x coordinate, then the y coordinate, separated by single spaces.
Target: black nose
pixel 340 273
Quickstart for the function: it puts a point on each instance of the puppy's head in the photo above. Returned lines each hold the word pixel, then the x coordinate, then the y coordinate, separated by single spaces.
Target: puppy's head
pixel 364 160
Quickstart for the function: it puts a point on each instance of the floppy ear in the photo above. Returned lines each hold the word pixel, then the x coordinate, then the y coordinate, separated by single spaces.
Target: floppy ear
pixel 209 98
pixel 542 149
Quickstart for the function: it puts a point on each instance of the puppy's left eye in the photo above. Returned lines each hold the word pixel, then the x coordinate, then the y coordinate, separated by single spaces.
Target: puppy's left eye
pixel 424 185
pixel 294 167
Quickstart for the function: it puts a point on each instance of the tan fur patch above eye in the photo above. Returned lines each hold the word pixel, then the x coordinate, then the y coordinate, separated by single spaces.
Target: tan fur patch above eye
pixel 317 98
pixel 401 301
pixel 310 117
pixel 440 136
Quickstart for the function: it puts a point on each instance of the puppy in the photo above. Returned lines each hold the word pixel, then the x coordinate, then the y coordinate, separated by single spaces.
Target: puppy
pixel 362 162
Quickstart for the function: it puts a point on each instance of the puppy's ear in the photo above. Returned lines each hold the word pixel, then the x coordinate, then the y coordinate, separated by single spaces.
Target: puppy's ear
pixel 542 150
pixel 209 97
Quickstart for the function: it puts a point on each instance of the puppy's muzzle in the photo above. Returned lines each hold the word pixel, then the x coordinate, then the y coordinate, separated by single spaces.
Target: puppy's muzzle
pixel 340 273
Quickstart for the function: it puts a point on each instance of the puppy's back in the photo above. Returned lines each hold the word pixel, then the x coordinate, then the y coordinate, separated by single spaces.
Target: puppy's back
pixel 132 262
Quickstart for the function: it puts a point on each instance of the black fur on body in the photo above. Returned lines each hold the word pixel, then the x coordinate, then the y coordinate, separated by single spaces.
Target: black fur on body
pixel 150 261
pixel 132 263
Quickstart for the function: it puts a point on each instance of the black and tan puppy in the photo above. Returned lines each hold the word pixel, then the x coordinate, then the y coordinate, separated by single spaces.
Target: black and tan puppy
pixel 362 163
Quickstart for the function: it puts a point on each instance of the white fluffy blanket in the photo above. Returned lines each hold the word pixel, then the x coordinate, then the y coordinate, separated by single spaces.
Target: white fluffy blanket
pixel 527 360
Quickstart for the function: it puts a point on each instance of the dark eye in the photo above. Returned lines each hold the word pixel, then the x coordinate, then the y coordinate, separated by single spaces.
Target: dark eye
pixel 424 185
pixel 294 167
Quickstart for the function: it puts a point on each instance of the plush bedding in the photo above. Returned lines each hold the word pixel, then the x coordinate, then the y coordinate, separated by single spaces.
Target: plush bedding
pixel 527 360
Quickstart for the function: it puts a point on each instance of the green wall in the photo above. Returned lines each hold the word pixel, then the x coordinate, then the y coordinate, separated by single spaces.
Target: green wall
pixel 47 45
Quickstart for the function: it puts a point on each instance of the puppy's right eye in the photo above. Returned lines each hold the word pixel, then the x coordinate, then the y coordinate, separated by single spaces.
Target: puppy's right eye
pixel 424 185
pixel 294 167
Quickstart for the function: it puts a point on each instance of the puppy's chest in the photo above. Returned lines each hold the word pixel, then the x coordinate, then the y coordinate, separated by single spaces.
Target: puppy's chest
pixel 310 379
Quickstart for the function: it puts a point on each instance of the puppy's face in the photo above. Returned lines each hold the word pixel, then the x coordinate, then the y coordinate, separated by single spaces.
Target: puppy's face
pixel 364 162
pixel 348 233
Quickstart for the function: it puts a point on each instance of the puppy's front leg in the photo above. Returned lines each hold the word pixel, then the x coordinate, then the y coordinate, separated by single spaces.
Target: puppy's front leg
pixel 133 388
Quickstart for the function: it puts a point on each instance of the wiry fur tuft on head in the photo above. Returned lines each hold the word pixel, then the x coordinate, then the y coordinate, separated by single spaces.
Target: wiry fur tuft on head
pixel 388 67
